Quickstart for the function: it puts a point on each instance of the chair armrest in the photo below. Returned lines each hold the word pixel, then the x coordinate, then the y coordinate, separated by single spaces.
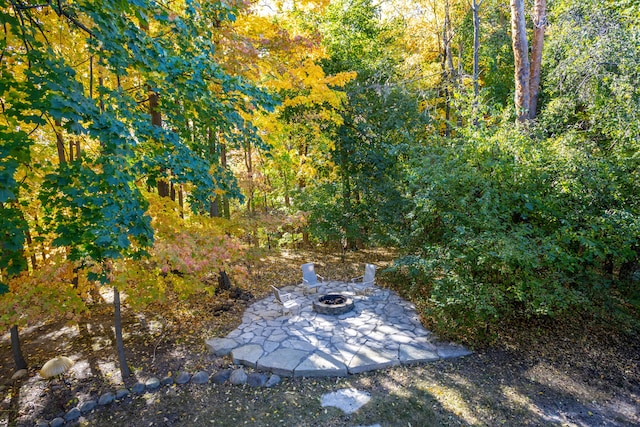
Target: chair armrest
pixel 321 277
pixel 356 278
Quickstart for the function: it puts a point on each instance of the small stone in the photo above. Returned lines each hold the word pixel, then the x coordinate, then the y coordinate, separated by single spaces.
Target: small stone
pixel 238 377
pixel 201 377
pixel 166 380
pixel 106 399
pixel 138 388
pixel 451 350
pixel 152 383
pixel 183 378
pixel 347 399
pixel 19 374
pixel 88 406
pixel 122 393
pixel 221 377
pixel 272 381
pixel 73 414
pixel 256 379
pixel 42 423
pixel 56 422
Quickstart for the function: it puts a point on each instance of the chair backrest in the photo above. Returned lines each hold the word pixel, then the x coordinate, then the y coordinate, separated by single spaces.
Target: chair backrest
pixel 309 273
pixel 369 273
pixel 276 294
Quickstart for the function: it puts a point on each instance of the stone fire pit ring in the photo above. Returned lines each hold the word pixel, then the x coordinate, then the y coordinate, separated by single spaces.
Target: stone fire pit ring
pixel 333 304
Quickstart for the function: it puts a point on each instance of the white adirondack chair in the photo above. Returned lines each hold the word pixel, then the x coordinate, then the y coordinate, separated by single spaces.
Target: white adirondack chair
pixel 285 300
pixel 364 284
pixel 310 278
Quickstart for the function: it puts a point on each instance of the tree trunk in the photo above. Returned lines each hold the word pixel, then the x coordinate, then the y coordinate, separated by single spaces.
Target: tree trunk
pixel 214 207
pixel 214 158
pixel 30 246
pixel 521 60
pixel 348 240
pixel 18 358
pixel 447 75
pixel 224 282
pixel 475 6
pixel 285 184
pixel 181 200
pixel 117 323
pixel 156 120
pixel 62 158
pixel 226 211
pixel 172 191
pixel 539 24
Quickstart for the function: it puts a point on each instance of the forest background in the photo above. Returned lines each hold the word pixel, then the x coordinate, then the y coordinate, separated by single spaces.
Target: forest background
pixel 150 145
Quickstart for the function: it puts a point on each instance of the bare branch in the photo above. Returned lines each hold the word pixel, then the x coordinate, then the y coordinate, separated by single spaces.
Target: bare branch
pixel 61 12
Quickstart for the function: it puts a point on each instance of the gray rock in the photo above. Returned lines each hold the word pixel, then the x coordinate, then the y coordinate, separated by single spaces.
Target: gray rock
pixel 166 380
pixel 247 354
pixel 370 358
pixel 238 376
pixel 411 354
pixel 221 346
pixel 19 374
pixel 221 377
pixel 87 406
pixel 200 377
pixel 183 377
pixel 257 379
pixel 272 381
pixel 122 393
pixel 348 400
pixel 42 423
pixel 152 383
pixel 138 388
pixel 106 399
pixel 320 364
pixel 282 361
pixel 452 350
pixel 73 414
pixel 56 422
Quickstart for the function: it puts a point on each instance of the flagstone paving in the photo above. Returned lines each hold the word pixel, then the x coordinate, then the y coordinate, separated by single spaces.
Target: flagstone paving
pixel 382 330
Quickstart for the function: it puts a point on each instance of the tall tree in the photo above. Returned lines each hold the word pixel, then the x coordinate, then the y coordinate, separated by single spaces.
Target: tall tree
pixel 527 71
pixel 475 10
pixel 93 205
pixel 521 64
pixel 539 24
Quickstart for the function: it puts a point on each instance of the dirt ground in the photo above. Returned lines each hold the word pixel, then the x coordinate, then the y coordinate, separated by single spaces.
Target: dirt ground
pixel 574 372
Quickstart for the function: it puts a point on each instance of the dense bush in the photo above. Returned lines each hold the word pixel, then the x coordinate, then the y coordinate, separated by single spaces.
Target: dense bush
pixel 506 224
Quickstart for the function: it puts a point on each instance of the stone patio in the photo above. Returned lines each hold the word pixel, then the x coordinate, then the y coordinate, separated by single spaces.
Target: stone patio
pixel 382 331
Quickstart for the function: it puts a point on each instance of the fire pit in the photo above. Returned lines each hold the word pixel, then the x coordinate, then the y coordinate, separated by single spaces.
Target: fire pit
pixel 333 304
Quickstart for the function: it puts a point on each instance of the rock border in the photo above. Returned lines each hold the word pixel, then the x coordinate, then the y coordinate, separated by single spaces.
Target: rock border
pixel 235 376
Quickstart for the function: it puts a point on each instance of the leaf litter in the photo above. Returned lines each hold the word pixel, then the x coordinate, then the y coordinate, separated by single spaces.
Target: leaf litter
pixel 575 372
